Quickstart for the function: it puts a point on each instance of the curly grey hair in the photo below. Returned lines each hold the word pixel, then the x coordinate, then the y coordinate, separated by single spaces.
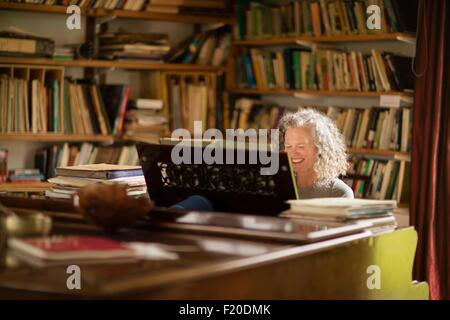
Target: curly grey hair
pixel 332 158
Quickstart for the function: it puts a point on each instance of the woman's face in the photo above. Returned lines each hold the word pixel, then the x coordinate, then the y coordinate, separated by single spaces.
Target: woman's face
pixel 299 144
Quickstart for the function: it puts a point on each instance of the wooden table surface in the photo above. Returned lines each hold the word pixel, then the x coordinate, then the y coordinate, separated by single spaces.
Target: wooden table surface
pixel 213 266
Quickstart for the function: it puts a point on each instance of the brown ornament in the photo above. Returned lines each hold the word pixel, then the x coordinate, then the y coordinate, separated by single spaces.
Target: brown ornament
pixel 109 206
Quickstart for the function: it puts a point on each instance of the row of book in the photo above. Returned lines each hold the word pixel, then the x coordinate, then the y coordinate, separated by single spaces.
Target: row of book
pixel 51 157
pixel 368 128
pixel 83 108
pixel 92 109
pixel 191 99
pixel 255 114
pixel 70 179
pixel 29 106
pixel 323 17
pixel 134 5
pixel 374 128
pixel 302 69
pixel 379 179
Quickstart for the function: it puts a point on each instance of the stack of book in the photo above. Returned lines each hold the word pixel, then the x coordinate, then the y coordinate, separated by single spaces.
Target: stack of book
pixel 379 179
pixel 144 116
pixel 188 6
pixel 342 211
pixel 64 53
pixel 255 114
pixel 123 45
pixel 213 7
pixel 323 17
pixel 49 158
pixel 374 128
pixel 20 43
pixel 303 69
pixel 69 180
pixel 210 48
pixel 25 175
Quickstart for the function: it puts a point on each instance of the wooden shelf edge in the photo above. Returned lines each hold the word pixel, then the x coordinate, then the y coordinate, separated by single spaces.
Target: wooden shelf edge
pixel 129 14
pixel 398 155
pixel 54 137
pixel 112 64
pixel 24 186
pixel 318 92
pixel 326 38
pixel 58 137
pixel 144 15
pixel 142 138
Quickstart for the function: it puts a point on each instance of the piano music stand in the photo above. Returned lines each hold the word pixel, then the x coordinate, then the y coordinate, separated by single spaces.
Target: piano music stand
pixel 234 188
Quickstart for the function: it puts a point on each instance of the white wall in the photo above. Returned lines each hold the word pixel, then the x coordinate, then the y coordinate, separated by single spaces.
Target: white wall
pixel 21 153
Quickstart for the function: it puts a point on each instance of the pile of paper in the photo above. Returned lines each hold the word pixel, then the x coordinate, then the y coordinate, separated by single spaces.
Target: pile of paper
pixel 341 211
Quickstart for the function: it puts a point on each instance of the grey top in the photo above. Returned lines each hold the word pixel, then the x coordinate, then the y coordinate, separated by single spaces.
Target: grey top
pixel 337 189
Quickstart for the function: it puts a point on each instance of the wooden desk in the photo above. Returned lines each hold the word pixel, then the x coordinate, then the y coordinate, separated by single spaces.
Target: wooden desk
pixel 228 268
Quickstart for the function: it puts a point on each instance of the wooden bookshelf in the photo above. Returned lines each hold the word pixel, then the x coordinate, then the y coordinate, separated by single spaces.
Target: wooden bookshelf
pixel 136 65
pixel 128 14
pixel 54 137
pixel 397 155
pixel 319 92
pixel 22 187
pixel 405 37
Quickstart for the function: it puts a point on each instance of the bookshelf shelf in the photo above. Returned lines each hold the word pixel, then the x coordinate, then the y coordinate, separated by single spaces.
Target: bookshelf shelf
pixel 112 64
pixel 404 37
pixel 54 137
pixel 398 155
pixel 128 14
pixel 25 187
pixel 320 93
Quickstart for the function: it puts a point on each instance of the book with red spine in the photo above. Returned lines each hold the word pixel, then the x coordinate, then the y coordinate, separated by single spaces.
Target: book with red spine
pixel 71 247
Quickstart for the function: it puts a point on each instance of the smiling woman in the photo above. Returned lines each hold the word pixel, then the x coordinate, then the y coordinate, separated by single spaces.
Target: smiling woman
pixel 317 150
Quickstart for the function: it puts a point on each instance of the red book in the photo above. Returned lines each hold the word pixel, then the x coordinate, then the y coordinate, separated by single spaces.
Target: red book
pixel 123 108
pixel 71 247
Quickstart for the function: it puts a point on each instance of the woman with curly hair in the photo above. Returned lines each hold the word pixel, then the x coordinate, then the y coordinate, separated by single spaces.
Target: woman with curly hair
pixel 317 151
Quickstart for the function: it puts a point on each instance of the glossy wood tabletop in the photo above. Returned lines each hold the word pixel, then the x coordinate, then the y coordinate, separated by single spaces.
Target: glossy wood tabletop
pixel 214 264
